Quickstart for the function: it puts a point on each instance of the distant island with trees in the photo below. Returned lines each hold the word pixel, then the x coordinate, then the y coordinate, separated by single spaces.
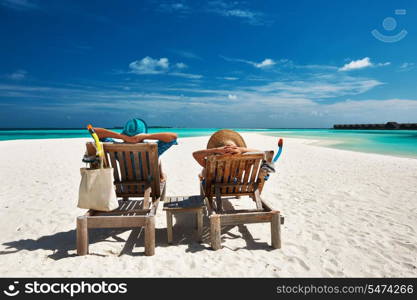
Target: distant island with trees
pixel 386 126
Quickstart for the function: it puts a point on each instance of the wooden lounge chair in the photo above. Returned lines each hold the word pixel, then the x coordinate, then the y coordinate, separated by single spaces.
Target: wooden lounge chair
pixel 136 174
pixel 235 176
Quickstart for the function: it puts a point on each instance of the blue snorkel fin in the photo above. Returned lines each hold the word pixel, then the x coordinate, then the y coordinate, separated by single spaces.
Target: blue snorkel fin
pixel 280 144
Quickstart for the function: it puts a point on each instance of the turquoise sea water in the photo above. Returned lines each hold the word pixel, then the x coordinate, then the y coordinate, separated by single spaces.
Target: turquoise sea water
pixel 390 142
pixel 398 142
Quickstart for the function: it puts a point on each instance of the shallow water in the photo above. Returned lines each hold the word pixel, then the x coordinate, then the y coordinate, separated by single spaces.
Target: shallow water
pixel 397 142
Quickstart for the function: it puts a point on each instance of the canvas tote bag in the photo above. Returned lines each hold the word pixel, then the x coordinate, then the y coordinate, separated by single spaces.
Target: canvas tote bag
pixel 97 190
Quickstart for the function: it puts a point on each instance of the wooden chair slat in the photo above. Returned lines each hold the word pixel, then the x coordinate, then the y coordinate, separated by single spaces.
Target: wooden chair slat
pixel 210 173
pixel 226 174
pixel 254 174
pixel 129 171
pixel 138 166
pixel 154 172
pixel 220 171
pixel 145 169
pixel 248 168
pixel 122 165
pixel 238 175
pixel 230 177
pixel 239 156
pixel 129 162
pixel 232 186
pixel 131 183
pixel 116 171
pixel 137 170
pixel 234 173
pixel 242 164
pixel 129 147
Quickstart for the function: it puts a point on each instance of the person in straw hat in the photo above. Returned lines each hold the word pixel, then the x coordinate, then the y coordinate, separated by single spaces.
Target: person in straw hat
pixel 224 141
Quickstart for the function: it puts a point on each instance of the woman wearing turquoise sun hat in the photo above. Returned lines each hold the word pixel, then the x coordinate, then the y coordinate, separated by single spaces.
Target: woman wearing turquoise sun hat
pixel 136 131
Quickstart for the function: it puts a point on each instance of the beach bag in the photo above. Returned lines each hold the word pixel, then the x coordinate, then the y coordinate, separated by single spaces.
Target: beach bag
pixel 97 190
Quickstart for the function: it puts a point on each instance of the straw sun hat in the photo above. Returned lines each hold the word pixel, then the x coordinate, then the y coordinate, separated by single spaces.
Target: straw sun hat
pixel 223 137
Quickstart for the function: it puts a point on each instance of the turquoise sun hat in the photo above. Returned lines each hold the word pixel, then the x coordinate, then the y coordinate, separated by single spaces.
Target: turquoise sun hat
pixel 134 127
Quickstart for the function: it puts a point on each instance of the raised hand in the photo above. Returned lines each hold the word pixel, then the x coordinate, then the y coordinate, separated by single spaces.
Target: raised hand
pixel 139 138
pixel 220 150
pixel 129 139
pixel 232 149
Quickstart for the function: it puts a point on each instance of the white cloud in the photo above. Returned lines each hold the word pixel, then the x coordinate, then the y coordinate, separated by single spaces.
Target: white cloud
pixel 300 99
pixel 373 110
pixel 362 63
pixel 148 65
pixel 186 75
pixel 407 66
pixel 292 103
pixel 312 86
pixel 177 7
pixel 290 64
pixel 181 65
pixel 18 75
pixel 227 9
pixel 357 64
pixel 316 88
pixel 151 66
pixel 238 13
pixel 187 54
pixel 383 64
pixel 233 9
pixel 228 78
pixel 265 63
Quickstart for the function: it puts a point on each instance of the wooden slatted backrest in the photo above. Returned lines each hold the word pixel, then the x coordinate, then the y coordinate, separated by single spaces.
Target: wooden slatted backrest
pixel 134 165
pixel 236 174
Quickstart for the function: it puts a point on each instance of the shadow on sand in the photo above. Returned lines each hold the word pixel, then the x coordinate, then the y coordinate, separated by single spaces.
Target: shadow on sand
pixel 62 243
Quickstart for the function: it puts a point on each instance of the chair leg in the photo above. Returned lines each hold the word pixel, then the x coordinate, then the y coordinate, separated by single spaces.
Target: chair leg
pixel 215 231
pixel 276 231
pixel 200 224
pixel 82 236
pixel 169 227
pixel 150 236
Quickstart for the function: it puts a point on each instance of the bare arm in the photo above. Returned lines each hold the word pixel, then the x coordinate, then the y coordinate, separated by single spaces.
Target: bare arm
pixel 105 133
pixel 239 150
pixel 161 136
pixel 200 156
pixel 244 150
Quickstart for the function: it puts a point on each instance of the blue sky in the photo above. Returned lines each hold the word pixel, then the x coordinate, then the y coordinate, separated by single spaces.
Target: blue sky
pixel 207 63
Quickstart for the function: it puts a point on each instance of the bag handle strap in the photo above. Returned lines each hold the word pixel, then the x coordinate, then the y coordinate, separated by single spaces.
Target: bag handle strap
pixel 101 157
pixel 97 144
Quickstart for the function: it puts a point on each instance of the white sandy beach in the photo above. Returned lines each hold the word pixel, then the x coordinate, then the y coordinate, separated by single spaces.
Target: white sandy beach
pixel 346 214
